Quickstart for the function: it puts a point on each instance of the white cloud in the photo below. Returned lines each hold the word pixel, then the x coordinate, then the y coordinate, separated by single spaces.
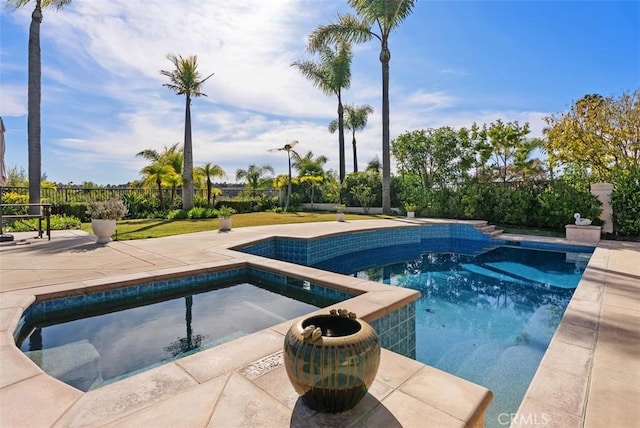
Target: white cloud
pixel 13 101
pixel 103 93
pixel 429 100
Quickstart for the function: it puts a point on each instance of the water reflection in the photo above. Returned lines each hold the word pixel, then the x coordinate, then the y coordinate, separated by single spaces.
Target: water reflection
pixel 88 349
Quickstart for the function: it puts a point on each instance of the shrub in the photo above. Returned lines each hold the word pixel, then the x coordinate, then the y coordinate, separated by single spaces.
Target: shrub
pixel 57 222
pixel 177 215
pixel 361 180
pixel 364 195
pixel 111 209
pixel 266 203
pixel 560 200
pixel 139 205
pixel 71 209
pixel 225 211
pixel 197 212
pixel 625 201
pixel 239 205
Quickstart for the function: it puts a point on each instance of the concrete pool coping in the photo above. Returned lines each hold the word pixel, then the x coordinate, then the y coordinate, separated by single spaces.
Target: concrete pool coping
pixel 589 376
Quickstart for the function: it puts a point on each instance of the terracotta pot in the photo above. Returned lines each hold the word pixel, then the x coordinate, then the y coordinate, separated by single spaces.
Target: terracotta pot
pixel 103 229
pixel 332 371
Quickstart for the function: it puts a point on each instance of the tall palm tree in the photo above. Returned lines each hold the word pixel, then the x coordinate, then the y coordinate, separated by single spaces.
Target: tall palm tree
pixel 34 96
pixel 208 171
pixel 331 75
pixel 289 149
pixel 355 120
pixel 255 176
pixel 185 80
pixel 382 16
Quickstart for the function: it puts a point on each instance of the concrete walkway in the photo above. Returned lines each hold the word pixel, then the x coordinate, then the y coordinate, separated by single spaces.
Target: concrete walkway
pixel 590 375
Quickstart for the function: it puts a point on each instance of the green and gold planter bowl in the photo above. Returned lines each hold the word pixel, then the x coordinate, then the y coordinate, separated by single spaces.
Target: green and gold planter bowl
pixel 332 360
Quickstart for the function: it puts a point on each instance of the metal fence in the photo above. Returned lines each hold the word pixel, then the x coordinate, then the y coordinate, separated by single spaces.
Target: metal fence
pixel 63 195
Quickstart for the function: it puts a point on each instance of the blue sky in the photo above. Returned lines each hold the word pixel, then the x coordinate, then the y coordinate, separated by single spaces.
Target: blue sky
pixel 452 63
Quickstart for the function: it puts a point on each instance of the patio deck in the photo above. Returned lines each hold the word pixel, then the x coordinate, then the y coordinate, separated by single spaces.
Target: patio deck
pixel 590 376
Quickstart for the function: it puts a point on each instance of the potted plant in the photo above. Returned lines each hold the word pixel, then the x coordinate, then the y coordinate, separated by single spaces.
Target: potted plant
pixel 410 208
pixel 331 360
pixel 104 215
pixel 224 214
pixel 340 212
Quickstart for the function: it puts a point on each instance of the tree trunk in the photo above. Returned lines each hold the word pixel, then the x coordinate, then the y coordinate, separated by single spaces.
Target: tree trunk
pixel 160 198
pixel 286 204
pixel 187 174
pixel 355 153
pixel 385 57
pixel 208 191
pixel 34 101
pixel 341 138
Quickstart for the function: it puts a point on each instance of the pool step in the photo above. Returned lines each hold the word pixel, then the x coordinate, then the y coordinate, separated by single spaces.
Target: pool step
pixel 488 229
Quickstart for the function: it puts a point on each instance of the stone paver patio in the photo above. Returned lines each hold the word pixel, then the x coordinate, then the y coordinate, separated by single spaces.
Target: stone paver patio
pixel 590 375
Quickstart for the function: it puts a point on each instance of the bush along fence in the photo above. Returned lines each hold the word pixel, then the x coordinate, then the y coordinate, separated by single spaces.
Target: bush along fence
pixel 546 204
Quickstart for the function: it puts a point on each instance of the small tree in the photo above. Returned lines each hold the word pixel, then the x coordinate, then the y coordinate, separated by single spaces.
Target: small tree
pixel 207 171
pixel 289 149
pixel 598 134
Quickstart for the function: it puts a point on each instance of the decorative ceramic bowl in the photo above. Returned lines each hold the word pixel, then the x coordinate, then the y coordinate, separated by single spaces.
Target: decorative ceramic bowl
pixel 331 360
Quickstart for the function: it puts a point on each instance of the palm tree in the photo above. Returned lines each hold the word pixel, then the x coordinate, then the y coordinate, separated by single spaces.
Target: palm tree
pixel 289 149
pixel 310 165
pixel 310 171
pixel 355 120
pixel 208 171
pixel 254 176
pixel 155 173
pixel 34 96
pixel 372 15
pixel 185 80
pixel 331 75
pixel 374 165
pixel 164 168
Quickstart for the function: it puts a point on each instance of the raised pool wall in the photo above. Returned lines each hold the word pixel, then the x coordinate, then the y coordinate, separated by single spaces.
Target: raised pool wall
pixel 309 252
pixel 165 288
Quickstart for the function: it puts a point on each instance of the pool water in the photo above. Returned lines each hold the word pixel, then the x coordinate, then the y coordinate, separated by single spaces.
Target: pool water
pixel 106 345
pixel 487 318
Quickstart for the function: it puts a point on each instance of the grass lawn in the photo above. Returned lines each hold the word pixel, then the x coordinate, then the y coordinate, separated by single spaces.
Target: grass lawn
pixel 155 228
pixel 532 231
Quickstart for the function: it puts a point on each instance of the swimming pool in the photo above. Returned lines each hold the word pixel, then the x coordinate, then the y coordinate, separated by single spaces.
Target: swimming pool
pixel 92 340
pixel 488 308
pixel 487 318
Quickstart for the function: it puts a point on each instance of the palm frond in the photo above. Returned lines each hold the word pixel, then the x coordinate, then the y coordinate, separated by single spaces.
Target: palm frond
pixel 388 14
pixel 318 74
pixel 333 126
pixel 185 78
pixel 348 28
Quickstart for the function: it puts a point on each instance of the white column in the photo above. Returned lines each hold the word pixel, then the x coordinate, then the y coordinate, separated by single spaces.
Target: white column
pixel 603 193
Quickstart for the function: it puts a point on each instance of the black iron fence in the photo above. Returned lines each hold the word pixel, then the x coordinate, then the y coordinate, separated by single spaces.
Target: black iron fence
pixel 61 195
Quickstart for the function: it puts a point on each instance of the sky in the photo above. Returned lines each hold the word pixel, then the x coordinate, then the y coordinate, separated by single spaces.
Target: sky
pixel 453 63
